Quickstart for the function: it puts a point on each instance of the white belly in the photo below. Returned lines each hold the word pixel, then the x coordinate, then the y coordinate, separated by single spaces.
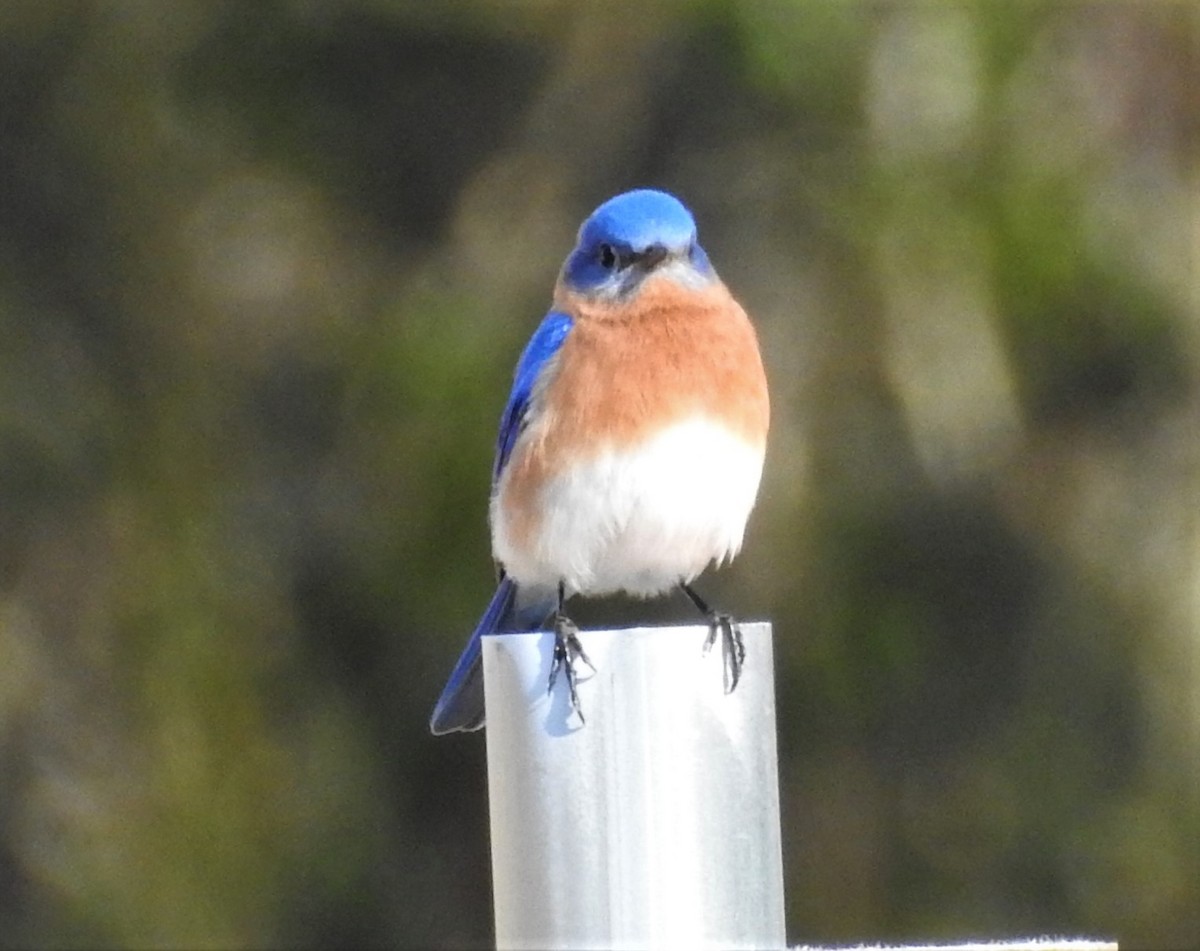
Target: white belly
pixel 641 520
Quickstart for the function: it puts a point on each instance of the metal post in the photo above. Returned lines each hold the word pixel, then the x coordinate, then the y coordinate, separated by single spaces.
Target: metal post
pixel 656 824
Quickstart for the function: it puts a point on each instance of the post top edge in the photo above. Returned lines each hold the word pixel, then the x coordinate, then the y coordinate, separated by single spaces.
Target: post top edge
pixel 748 628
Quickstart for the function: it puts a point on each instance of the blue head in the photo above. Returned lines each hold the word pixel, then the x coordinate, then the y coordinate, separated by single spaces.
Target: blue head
pixel 631 237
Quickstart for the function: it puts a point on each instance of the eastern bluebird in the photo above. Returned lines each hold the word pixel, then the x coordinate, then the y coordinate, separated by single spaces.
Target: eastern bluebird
pixel 632 444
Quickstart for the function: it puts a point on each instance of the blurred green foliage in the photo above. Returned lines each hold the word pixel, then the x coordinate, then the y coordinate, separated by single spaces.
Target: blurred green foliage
pixel 264 271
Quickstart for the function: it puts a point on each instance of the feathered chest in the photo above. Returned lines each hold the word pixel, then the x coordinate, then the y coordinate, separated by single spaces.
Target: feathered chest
pixel 625 372
pixel 641 454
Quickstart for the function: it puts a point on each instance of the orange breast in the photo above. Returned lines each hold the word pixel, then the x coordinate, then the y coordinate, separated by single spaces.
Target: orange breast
pixel 628 369
pixel 625 371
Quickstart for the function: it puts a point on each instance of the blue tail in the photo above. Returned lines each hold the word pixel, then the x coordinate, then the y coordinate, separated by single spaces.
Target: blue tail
pixel 460 707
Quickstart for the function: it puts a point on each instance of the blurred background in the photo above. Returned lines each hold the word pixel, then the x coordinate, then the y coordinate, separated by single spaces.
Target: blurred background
pixel 265 269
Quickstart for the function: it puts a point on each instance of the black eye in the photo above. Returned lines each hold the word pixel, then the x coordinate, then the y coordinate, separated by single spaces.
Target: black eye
pixel 608 257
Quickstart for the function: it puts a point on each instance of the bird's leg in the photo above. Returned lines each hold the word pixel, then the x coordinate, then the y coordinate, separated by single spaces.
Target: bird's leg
pixel 733 651
pixel 567 649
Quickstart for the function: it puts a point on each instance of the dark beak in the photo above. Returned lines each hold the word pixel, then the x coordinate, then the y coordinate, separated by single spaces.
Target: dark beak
pixel 652 257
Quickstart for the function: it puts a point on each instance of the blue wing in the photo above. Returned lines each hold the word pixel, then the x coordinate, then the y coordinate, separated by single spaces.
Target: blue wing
pixel 460 707
pixel 542 346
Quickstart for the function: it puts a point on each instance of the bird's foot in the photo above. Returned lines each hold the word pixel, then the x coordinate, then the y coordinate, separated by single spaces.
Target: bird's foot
pixel 733 651
pixel 567 649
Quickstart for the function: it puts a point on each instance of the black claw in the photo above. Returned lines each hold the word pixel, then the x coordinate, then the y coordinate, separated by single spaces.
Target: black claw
pixel 733 650
pixel 567 650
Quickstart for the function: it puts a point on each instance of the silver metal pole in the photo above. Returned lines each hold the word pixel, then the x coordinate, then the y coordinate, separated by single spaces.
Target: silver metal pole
pixel 656 824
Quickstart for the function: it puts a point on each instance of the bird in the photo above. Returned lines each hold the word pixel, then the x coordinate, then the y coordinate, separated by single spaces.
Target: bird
pixel 631 447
